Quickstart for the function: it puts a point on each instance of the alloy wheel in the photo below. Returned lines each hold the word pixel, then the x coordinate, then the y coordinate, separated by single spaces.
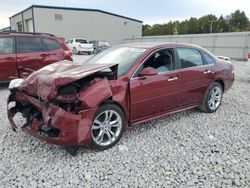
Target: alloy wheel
pixel 106 127
pixel 214 99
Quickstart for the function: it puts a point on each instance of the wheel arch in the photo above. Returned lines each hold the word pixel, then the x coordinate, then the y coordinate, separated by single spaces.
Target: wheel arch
pixel 111 101
pixel 221 82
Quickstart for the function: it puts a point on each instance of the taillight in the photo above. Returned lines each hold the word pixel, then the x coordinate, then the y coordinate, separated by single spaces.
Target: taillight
pixel 68 54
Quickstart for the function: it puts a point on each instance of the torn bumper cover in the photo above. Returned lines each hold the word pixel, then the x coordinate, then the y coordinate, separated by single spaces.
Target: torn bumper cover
pixel 49 122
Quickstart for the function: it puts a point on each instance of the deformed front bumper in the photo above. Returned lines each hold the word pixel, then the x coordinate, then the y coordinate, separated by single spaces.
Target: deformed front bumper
pixel 86 50
pixel 73 129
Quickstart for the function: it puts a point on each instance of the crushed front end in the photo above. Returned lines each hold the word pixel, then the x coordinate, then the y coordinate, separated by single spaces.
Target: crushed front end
pixel 61 112
pixel 50 122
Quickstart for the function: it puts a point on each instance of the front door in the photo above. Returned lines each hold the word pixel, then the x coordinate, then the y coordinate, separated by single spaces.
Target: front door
pixel 151 95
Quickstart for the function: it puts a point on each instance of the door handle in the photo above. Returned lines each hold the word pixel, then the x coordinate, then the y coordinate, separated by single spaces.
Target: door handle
pixel 172 79
pixel 207 71
pixel 10 58
pixel 44 55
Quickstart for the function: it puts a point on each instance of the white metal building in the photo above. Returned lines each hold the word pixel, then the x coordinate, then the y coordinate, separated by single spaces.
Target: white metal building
pixel 92 24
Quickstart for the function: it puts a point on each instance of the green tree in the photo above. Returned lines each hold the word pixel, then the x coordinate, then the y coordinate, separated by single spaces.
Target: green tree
pixel 223 24
pixel 183 27
pixel 204 23
pixel 193 26
pixel 239 21
pixel 146 30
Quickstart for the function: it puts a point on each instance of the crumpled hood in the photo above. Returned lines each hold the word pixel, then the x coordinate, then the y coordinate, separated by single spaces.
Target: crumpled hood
pixel 46 82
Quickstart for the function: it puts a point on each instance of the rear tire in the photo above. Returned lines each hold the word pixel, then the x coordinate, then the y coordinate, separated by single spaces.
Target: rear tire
pixel 108 126
pixel 212 98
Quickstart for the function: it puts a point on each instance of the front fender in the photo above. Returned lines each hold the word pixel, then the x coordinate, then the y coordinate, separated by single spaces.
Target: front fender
pixel 95 94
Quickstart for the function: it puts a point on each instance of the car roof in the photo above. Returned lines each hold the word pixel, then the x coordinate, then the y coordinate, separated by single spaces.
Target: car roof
pixel 149 45
pixel 13 34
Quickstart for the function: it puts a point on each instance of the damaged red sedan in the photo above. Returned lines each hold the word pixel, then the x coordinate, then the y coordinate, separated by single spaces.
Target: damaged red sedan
pixel 73 104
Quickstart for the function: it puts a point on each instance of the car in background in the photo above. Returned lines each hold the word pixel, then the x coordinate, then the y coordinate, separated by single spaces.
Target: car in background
pixel 80 45
pixel 24 53
pixel 99 46
pixel 224 57
pixel 74 104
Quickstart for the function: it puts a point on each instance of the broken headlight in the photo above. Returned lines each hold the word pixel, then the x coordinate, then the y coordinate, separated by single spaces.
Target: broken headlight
pixel 15 84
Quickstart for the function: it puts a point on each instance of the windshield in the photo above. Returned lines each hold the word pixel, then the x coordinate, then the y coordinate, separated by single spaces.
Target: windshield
pixel 82 41
pixel 125 57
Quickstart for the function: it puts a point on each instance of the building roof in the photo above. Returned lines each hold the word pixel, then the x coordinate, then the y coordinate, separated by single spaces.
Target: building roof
pixel 75 9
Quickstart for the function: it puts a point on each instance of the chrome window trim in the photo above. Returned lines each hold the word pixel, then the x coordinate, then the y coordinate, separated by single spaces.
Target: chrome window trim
pixel 162 74
pixel 196 66
pixel 171 71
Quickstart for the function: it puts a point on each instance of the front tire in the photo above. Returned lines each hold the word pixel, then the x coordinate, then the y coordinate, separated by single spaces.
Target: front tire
pixel 212 98
pixel 75 51
pixel 108 126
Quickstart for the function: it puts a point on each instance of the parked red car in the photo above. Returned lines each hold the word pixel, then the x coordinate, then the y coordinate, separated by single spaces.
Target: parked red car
pixel 74 104
pixel 24 53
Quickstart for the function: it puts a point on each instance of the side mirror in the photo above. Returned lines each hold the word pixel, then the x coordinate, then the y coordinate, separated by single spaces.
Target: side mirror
pixel 149 71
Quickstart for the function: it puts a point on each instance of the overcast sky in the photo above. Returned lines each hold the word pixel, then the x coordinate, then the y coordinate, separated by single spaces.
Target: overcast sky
pixel 148 11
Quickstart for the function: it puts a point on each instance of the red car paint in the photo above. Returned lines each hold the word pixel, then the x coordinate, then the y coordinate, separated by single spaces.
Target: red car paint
pixel 20 64
pixel 141 98
pixel 45 82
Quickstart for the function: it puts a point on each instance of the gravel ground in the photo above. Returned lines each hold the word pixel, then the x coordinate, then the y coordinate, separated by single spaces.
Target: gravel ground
pixel 186 149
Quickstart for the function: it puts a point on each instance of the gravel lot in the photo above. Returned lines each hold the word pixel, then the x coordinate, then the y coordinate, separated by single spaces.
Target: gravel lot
pixel 186 149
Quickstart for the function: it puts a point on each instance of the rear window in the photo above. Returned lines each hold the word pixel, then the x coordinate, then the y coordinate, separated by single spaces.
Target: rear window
pixel 51 44
pixel 29 44
pixel 189 57
pixel 6 45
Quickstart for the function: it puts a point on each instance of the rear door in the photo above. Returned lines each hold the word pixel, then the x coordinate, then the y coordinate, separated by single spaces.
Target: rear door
pixel 30 55
pixel 8 68
pixel 195 76
pixel 53 51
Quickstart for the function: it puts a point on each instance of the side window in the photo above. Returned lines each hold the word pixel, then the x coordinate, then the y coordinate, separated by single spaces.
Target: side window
pixel 6 45
pixel 29 44
pixel 162 61
pixel 51 44
pixel 209 59
pixel 189 57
